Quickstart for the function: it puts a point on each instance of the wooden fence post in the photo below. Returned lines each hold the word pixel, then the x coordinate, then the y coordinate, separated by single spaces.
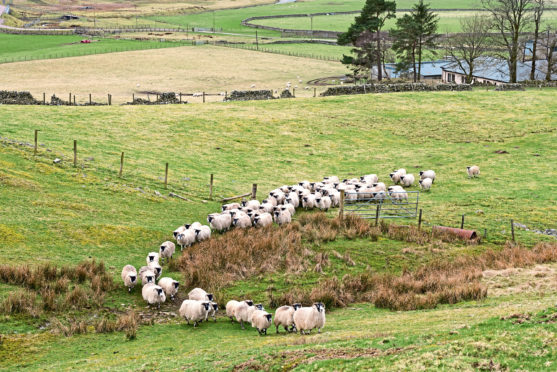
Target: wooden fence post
pixel 74 100
pixel 75 153
pixel 180 97
pixel 70 100
pixel 109 99
pixel 121 164
pixel 90 99
pixel 294 92
pixel 315 92
pixel 512 229
pixel 36 136
pixel 203 97
pixel 420 220
pixel 341 206
pixel 377 215
pixel 462 222
pixel 211 187
pixel 44 98
pixel 254 191
pixel 166 176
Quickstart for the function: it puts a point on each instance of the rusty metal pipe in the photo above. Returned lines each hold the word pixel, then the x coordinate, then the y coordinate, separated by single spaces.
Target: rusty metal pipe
pixel 461 233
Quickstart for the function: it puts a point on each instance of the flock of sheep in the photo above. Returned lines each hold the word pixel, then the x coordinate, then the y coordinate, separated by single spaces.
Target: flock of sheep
pixel 279 207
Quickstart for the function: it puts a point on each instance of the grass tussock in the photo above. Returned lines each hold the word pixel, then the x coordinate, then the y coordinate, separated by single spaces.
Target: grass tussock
pixel 129 323
pixel 317 228
pixel 21 302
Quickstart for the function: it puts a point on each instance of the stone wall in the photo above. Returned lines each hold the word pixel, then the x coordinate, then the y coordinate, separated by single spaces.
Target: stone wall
pixel 17 98
pixel 391 88
pixel 250 95
pixel 167 98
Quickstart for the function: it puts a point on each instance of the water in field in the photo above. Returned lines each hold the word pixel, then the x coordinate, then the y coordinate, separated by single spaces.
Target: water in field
pixel 285 1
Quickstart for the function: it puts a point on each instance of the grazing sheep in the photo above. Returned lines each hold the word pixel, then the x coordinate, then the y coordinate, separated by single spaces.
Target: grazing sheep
pixel 407 180
pixel 261 320
pixel 308 201
pixel 227 207
pixel 397 193
pixel 308 318
pixel 193 225
pixel 473 171
pixel 266 207
pixel 323 203
pixel 213 311
pixel 194 310
pixel 178 231
pixel 186 238
pixel 170 286
pixel 147 275
pixel 262 220
pixel 200 295
pixel 243 312
pixel 129 276
pixel 202 233
pixel 242 222
pixel 153 294
pixel 166 250
pixel 293 199
pixel 220 221
pixel 425 184
pixel 284 316
pixel 282 217
pixel 156 268
pixel 428 174
pixel 369 179
pixel 253 204
pixel 152 257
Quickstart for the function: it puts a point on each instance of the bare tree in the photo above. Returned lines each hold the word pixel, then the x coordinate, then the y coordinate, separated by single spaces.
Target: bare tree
pixel 510 18
pixel 539 7
pixel 549 51
pixel 469 45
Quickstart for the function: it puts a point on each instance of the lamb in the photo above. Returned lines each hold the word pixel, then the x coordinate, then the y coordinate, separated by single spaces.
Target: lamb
pixel 243 312
pixel 473 171
pixel 253 204
pixel 262 220
pixel 227 207
pixel 428 174
pixel 308 318
pixel 147 275
pixel 170 286
pixel 323 203
pixel 282 217
pixel 156 268
pixel 284 316
pixel 129 276
pixel 166 250
pixel 186 238
pixel 220 221
pixel 308 201
pixel 200 295
pixel 202 233
pixel 153 294
pixel 261 320
pixel 213 311
pixel 425 184
pixel 369 178
pixel 194 310
pixel 152 257
pixel 407 180
pixel 242 221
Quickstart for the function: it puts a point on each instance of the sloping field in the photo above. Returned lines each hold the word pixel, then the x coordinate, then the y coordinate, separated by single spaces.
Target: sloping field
pixel 186 69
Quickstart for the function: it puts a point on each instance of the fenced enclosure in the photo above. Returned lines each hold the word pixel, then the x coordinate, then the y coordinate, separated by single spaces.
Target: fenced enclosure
pixel 388 205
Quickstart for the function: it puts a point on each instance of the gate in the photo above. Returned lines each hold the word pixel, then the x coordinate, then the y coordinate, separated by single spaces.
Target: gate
pixel 389 205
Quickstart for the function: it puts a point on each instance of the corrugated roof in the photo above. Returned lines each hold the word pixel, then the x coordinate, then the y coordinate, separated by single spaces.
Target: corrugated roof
pixel 429 68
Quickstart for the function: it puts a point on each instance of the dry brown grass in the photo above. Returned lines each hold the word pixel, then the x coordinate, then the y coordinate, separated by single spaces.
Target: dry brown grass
pixel 129 323
pixel 20 302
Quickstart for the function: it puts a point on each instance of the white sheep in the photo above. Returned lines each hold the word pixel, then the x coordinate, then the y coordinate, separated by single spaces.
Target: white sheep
pixel 282 217
pixel 323 203
pixel 195 311
pixel 397 193
pixel 170 286
pixel 152 257
pixel 308 201
pixel 407 180
pixel 156 268
pixel 293 199
pixel 335 197
pixel 193 225
pixel 284 316
pixel 202 233
pixel 289 207
pixel 305 184
pixel 262 220
pixel 473 171
pixel 178 231
pixel 380 186
pixel 147 275
pixel 425 184
pixel 369 179
pixel 129 276
pixel 308 318
pixel 261 320
pixel 166 250
pixel 153 294
pixel 186 238
pixel 230 306
pixel 220 221
pixel 428 174
pixel 242 221
pixel 200 295
pixel 227 207
pixel 243 312
pixel 252 204
pixel 266 207
pixel 331 179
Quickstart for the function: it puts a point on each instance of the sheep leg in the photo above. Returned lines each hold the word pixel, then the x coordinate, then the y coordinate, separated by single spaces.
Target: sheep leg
pixel 242 324
pixel 231 319
pixel 277 327
pixel 194 324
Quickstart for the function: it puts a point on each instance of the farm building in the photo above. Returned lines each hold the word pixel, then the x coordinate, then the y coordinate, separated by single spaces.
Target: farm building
pixel 430 70
pixel 493 71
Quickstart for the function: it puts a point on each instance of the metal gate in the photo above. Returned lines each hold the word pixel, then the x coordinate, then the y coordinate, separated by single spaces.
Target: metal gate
pixel 389 205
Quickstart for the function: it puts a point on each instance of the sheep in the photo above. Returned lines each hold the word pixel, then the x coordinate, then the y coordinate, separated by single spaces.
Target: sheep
pixel 243 312
pixel 129 276
pixel 369 178
pixel 153 294
pixel 213 308
pixel 289 207
pixel 335 198
pixel 293 199
pixel 230 306
pixel 220 221
pixel 242 221
pixel 253 204
pixel 194 310
pixel 473 171
pixel 395 176
pixel 262 220
pixel 178 231
pixel 186 238
pixel 282 217
pixel 193 225
pixel 308 201
pixel 166 250
pixel 350 195
pixel 261 320
pixel 147 275
pixel 284 316
pixel 227 207
pixel 407 180
pixel 397 193
pixel 379 186
pixel 305 184
pixel 202 233
pixel 323 203
pixel 308 318
pixel 152 257
pixel 331 179
pixel 156 268
pixel 428 174
pixel 425 184
pixel 266 207
pixel 200 295
pixel 170 286
pixel 379 195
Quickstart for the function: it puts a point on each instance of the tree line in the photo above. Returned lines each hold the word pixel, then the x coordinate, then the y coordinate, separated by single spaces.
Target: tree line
pixel 498 32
